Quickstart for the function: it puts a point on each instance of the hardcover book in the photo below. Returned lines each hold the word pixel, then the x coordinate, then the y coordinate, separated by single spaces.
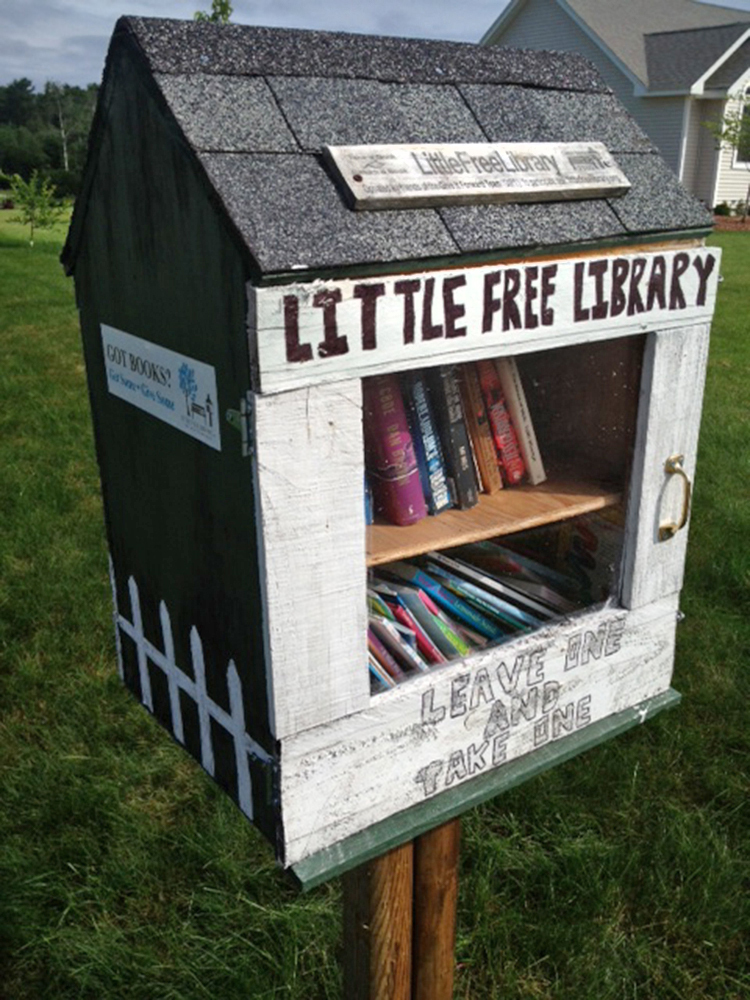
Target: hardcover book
pixel 479 430
pixel 446 395
pixel 391 461
pixel 518 407
pixel 427 445
pixel 503 432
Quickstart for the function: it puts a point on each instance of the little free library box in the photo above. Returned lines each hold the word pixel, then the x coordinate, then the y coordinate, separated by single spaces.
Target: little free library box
pixel 331 282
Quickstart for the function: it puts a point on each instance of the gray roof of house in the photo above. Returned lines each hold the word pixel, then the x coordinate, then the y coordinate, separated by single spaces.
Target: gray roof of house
pixel 256 105
pixel 731 69
pixel 676 59
pixel 623 28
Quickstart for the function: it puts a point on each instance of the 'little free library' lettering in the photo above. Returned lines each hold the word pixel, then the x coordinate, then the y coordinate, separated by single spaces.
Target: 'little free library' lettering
pixel 347 326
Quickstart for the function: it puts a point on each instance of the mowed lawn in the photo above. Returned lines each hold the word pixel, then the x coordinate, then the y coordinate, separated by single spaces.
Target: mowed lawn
pixel 622 875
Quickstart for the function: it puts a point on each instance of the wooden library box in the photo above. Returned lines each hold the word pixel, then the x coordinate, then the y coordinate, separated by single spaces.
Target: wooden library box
pixel 293 249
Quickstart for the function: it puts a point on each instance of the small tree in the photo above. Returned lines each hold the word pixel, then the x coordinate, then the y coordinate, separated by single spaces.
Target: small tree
pixel 732 131
pixel 34 200
pixel 221 11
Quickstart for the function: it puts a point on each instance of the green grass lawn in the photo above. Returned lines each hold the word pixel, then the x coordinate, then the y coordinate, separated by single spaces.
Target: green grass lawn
pixel 124 873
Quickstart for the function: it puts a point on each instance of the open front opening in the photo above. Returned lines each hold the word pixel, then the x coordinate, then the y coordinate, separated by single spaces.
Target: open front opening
pixel 543 543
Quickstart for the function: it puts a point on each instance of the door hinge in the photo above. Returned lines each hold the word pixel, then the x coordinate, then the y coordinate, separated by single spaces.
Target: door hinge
pixel 242 420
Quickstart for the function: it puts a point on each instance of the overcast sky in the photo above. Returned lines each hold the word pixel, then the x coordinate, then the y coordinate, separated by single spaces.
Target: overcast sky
pixel 66 40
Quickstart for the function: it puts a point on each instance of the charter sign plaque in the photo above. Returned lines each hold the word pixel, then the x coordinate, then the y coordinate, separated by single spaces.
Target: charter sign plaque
pixel 413 176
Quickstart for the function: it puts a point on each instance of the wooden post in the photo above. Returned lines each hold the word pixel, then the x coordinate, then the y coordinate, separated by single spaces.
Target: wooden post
pixel 378 900
pixel 400 921
pixel 435 898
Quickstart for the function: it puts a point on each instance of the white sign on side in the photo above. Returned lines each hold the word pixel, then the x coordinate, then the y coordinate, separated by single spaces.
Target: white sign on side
pixel 172 387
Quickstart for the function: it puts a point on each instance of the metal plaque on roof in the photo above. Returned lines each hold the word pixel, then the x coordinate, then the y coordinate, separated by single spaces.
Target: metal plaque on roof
pixel 442 174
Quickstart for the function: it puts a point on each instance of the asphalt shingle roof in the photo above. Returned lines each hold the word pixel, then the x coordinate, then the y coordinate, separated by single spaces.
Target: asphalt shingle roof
pixel 256 105
pixel 623 27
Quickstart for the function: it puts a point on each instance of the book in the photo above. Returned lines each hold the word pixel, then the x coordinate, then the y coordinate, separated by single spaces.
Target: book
pixel 444 599
pixel 503 432
pixel 381 680
pixel 391 462
pixel 518 407
pixel 513 594
pixel 489 604
pixel 448 408
pixel 396 641
pixel 427 447
pixel 447 641
pixel 431 652
pixel 449 627
pixel 479 430
pixel 383 656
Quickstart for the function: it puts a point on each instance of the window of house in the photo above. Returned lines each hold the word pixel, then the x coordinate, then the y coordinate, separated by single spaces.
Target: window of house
pixel 743 146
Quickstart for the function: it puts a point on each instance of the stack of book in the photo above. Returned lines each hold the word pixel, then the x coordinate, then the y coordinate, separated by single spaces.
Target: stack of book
pixel 445 605
pixel 436 438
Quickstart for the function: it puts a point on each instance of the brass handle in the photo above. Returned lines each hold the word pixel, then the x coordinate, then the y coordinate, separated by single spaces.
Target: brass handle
pixel 673 467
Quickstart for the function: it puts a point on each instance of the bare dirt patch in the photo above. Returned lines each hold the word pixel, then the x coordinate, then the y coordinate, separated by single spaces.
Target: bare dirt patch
pixel 731 223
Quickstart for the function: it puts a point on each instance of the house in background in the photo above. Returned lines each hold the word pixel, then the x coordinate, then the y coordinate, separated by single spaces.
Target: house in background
pixel 674 64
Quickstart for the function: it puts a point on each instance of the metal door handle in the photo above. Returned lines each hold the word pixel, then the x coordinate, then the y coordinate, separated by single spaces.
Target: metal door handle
pixel 673 467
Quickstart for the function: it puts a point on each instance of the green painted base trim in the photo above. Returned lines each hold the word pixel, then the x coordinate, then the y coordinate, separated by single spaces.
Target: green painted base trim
pixel 410 823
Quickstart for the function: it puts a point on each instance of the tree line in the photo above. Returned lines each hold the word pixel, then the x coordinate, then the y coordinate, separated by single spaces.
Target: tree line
pixel 46 131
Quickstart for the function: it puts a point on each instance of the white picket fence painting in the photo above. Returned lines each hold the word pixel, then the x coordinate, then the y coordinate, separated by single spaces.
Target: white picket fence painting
pixel 232 721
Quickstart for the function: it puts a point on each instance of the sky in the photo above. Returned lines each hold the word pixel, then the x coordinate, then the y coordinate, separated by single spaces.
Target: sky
pixel 66 40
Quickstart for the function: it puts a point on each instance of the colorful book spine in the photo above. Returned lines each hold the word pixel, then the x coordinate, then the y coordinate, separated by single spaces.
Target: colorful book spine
pixel 484 601
pixel 425 645
pixel 392 464
pixel 426 443
pixel 479 430
pixel 446 397
pixel 447 601
pixel 383 657
pixel 506 441
pixel 461 646
pixel 518 407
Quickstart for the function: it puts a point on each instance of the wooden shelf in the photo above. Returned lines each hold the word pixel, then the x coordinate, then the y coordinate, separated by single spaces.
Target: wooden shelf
pixel 513 509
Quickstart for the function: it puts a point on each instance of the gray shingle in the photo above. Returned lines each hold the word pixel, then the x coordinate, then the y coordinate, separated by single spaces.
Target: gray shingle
pixel 194 47
pixel 291 215
pixel 656 201
pixel 521 114
pixel 227 113
pixel 676 59
pixel 729 72
pixel 479 228
pixel 353 112
pixel 256 104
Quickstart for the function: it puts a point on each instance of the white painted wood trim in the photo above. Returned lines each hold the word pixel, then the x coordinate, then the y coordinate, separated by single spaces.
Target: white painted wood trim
pixel 439 730
pixel 322 331
pixel 674 371
pixel 309 473
pixel 686 109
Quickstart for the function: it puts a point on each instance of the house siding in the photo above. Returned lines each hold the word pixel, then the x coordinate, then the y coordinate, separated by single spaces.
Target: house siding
pixel 542 24
pixel 700 150
pixel 733 178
